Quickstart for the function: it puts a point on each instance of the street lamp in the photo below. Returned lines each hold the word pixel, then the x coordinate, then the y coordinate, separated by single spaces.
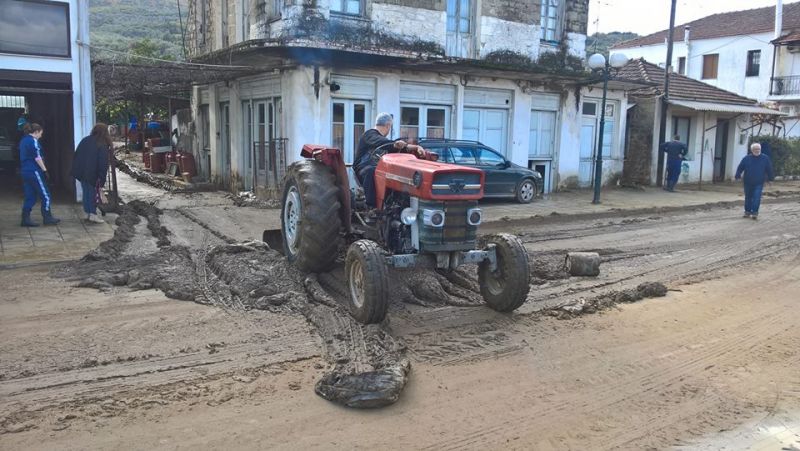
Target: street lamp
pixel 598 63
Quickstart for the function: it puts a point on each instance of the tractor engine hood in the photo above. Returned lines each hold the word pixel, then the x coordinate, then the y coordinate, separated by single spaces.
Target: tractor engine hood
pixel 427 180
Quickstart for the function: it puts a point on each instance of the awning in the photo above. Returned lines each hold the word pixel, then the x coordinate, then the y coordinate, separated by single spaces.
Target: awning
pixel 725 107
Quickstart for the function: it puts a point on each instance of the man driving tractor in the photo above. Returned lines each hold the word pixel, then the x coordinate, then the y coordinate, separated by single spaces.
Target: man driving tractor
pixel 373 138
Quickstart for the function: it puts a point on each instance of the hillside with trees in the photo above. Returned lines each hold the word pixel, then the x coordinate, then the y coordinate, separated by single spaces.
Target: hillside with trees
pixel 601 42
pixel 123 24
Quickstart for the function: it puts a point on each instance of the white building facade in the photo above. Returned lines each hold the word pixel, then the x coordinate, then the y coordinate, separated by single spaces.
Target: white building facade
pixel 50 68
pixel 440 71
pixel 744 52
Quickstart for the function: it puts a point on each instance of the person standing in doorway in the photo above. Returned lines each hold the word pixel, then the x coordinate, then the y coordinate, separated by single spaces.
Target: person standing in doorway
pixel 676 151
pixel 34 176
pixel 90 166
pixel 757 169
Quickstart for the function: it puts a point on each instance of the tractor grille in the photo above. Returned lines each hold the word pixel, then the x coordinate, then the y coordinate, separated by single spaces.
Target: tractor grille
pixel 455 235
pixel 451 183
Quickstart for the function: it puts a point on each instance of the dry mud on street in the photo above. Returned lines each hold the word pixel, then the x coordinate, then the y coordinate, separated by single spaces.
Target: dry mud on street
pixel 116 362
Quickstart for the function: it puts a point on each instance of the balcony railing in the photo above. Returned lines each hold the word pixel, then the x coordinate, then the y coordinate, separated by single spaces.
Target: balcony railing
pixel 784 86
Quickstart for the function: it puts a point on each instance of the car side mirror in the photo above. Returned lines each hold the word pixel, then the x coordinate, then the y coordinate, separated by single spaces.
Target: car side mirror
pixel 505 165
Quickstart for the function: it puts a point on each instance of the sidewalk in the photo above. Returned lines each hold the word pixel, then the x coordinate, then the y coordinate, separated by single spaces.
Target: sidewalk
pixel 616 199
pixel 71 239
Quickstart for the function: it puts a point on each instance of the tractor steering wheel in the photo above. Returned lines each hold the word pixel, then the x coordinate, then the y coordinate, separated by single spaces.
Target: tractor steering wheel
pixel 377 153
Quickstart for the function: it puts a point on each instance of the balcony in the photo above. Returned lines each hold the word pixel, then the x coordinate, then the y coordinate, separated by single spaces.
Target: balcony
pixel 785 86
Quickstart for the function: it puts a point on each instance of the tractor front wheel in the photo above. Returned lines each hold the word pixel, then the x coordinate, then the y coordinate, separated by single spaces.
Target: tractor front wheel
pixel 506 288
pixel 367 282
pixel 310 222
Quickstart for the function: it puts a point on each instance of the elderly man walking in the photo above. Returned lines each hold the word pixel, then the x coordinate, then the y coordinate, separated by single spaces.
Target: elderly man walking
pixel 757 169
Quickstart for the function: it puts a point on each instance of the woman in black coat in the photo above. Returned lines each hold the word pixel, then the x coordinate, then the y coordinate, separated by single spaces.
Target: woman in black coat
pixel 90 166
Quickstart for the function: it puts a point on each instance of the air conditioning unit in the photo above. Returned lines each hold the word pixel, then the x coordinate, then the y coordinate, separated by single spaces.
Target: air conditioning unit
pixel 787 110
pixel 793 48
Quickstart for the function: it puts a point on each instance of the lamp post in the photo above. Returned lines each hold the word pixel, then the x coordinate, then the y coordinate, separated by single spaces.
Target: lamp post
pixel 598 62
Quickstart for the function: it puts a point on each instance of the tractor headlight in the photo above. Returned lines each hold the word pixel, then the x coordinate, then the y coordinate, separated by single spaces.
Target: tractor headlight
pixel 408 216
pixel 434 218
pixel 474 216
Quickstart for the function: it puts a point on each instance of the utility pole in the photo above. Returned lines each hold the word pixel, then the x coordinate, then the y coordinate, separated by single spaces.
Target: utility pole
pixel 662 129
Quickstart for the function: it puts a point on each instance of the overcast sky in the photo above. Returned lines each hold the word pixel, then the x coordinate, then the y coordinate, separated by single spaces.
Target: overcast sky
pixel 648 16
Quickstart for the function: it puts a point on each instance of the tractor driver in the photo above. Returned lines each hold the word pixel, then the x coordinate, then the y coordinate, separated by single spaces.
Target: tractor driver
pixel 373 138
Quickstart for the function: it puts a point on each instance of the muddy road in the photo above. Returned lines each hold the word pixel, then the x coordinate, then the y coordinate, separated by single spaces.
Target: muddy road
pixel 259 337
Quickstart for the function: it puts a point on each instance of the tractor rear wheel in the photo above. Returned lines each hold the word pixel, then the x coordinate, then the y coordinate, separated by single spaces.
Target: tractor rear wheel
pixel 506 288
pixel 367 282
pixel 310 222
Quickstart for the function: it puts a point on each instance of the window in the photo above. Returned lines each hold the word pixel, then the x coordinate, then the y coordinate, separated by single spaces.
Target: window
pixel 433 121
pixel 205 120
pixel 682 65
pixel 542 134
pixel 346 6
pixel 753 63
pixel 487 157
pixel 549 20
pixel 461 155
pixel 202 26
pixel 459 28
pixel 34 28
pixel 224 24
pixel 589 109
pixel 710 66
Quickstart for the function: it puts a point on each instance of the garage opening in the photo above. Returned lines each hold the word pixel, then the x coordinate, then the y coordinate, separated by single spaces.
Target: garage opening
pixel 44 98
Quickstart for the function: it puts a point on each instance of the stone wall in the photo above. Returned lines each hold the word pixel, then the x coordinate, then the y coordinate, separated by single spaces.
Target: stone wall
pixel 433 5
pixel 498 34
pixel 576 16
pixel 409 22
pixel 522 11
pixel 639 155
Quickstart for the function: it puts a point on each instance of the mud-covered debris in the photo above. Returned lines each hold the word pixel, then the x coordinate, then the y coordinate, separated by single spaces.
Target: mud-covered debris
pixel 365 390
pixel 249 199
pixel 608 300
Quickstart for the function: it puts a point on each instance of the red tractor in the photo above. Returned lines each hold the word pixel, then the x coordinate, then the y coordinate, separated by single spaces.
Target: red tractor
pixel 427 215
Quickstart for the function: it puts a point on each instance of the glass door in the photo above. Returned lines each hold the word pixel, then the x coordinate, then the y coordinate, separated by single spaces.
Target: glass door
pixel 349 120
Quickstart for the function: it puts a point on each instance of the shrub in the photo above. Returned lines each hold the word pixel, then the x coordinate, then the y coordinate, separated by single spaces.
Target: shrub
pixel 784 153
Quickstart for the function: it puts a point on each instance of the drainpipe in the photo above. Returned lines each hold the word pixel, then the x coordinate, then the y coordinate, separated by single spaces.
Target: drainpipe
pixel 687 32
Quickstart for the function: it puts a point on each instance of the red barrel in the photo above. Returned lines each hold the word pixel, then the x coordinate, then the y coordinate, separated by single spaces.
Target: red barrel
pixel 179 160
pixel 187 164
pixel 157 162
pixel 146 158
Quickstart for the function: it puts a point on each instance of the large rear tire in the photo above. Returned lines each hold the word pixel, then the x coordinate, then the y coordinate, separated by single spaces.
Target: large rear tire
pixel 506 288
pixel 367 282
pixel 310 222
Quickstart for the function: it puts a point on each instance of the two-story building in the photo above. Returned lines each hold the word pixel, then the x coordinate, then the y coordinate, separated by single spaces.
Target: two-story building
pixel 750 53
pixel 45 72
pixel 508 73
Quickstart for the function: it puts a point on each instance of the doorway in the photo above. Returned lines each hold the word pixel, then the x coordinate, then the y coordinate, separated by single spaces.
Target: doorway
pixel 721 150
pixel 224 160
pixel 349 122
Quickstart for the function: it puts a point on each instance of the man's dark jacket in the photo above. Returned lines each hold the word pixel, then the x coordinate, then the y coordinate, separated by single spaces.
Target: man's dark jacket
pixel 90 163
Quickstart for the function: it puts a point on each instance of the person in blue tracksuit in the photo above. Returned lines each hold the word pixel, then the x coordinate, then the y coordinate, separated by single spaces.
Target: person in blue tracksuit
pixel 757 169
pixel 34 176
pixel 676 151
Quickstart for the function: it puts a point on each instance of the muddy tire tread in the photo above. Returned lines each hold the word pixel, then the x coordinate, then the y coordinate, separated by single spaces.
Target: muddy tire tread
pixel 514 263
pixel 376 278
pixel 320 226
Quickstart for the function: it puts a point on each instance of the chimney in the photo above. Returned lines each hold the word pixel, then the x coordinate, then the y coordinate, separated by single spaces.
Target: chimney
pixel 687 31
pixel 778 18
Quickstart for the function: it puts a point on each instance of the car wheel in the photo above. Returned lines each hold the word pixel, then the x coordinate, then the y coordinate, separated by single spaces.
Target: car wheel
pixel 526 191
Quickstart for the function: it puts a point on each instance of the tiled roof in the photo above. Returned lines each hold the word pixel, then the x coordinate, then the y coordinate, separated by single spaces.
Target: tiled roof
pixel 680 86
pixel 735 23
pixel 788 38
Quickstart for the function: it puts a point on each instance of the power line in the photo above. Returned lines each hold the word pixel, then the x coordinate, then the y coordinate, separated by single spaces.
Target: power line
pixel 182 63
